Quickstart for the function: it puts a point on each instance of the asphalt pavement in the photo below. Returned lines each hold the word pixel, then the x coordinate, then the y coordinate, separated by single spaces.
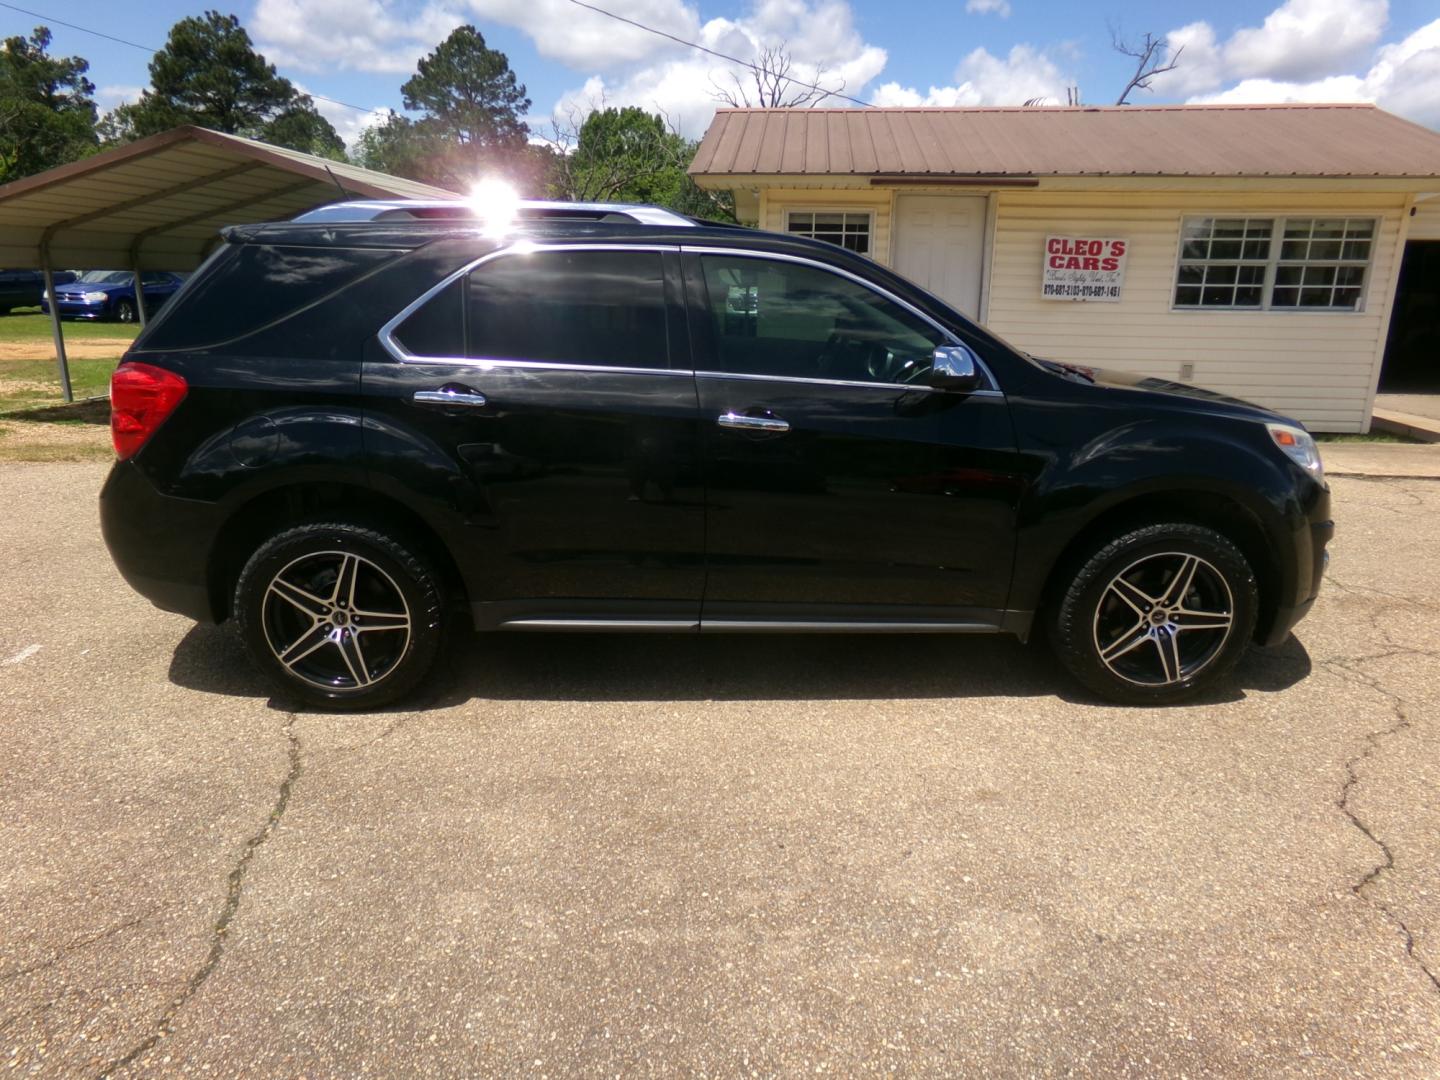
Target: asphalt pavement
pixel 610 855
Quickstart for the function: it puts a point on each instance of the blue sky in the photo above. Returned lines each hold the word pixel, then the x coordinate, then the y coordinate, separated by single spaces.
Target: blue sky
pixel 896 52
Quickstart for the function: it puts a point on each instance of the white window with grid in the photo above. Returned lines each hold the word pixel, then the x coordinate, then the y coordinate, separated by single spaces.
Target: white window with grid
pixel 849 228
pixel 1269 263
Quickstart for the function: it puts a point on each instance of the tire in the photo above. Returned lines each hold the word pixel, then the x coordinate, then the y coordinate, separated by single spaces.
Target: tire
pixel 341 616
pixel 1125 629
pixel 125 311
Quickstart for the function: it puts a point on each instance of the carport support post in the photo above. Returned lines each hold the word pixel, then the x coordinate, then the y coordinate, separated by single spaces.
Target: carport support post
pixel 55 329
pixel 139 294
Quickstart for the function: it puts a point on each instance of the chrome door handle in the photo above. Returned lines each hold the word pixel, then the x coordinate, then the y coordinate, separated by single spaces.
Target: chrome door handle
pixel 450 396
pixel 753 423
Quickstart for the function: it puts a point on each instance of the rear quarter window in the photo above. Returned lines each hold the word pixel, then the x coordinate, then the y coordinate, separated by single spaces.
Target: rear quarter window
pixel 248 287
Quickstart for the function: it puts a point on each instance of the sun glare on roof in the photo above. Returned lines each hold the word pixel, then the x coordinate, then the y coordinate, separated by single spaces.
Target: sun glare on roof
pixel 495 202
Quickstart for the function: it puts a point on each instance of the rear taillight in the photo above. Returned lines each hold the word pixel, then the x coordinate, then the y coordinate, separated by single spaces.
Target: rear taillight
pixel 141 397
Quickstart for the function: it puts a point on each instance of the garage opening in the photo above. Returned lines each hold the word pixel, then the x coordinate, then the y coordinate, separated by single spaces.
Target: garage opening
pixel 1412 351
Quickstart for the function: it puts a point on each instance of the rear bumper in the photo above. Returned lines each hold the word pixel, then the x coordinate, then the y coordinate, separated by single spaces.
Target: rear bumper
pixel 160 544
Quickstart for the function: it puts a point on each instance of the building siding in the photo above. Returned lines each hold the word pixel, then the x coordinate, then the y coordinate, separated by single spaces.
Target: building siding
pixel 775 203
pixel 1320 368
pixel 1425 223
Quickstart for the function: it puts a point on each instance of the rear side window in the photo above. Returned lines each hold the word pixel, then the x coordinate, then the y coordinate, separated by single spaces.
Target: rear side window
pixel 254 286
pixel 602 308
pixel 436 327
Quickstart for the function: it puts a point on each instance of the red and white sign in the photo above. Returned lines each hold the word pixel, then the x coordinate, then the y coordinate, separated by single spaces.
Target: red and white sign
pixel 1083 268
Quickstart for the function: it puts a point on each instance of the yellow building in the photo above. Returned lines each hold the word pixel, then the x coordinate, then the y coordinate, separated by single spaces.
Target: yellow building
pixel 1254 250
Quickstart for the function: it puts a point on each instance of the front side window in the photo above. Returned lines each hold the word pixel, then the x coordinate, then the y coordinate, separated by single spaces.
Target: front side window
pixel 795 321
pixel 848 228
pixel 1274 263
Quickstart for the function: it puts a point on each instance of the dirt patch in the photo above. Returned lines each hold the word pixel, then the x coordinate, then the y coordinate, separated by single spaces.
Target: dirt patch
pixel 26 440
pixel 89 349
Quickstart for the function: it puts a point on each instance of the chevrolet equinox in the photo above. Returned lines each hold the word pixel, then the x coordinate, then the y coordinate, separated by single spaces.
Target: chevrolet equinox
pixel 346 428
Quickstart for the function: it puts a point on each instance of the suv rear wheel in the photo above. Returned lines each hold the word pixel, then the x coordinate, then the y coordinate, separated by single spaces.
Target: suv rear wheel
pixel 1157 614
pixel 340 615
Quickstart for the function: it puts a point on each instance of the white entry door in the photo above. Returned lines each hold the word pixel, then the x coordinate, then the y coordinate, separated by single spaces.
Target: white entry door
pixel 940 244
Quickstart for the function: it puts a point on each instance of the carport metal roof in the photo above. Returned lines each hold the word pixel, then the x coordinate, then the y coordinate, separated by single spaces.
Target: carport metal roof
pixel 156 204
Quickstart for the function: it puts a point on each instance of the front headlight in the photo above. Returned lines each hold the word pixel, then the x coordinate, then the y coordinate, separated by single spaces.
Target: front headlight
pixel 1298 446
pixel 95 297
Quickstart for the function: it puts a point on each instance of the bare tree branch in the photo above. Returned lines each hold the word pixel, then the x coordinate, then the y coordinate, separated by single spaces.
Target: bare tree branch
pixel 775 87
pixel 1150 54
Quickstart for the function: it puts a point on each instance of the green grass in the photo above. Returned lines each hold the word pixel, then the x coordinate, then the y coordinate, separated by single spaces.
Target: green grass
pixel 1368 437
pixel 28 324
pixel 29 384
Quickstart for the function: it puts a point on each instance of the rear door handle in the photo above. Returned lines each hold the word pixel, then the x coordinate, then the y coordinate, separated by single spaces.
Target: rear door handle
pixel 753 423
pixel 451 397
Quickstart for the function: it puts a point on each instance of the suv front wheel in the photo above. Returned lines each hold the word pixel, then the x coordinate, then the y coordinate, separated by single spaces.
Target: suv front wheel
pixel 340 615
pixel 1157 614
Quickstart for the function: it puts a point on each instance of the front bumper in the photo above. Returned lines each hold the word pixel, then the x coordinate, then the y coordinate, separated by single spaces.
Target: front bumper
pixel 160 544
pixel 79 309
pixel 1311 559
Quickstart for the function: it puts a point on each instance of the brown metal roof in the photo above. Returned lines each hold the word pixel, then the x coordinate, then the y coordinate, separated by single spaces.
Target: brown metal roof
pixel 162 199
pixel 1175 140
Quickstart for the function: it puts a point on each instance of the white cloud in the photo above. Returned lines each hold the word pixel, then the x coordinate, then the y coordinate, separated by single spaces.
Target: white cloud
pixel 1403 77
pixel 1200 67
pixel 818 35
pixel 582 39
pixel 1307 39
pixel 365 35
pixel 988 7
pixel 1299 41
pixel 348 123
pixel 108 97
pixel 984 79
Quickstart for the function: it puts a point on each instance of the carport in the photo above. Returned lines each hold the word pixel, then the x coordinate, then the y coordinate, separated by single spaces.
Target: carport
pixel 158 203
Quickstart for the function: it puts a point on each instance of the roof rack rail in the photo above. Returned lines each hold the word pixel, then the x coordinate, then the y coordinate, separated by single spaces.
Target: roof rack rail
pixel 460 210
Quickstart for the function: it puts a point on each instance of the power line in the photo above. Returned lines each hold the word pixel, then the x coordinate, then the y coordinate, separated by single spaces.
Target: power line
pixel 143 48
pixel 705 49
pixel 578 3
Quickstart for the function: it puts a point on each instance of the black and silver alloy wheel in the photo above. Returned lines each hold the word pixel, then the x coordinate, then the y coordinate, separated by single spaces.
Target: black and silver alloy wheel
pixel 336 620
pixel 1155 614
pixel 341 615
pixel 1163 618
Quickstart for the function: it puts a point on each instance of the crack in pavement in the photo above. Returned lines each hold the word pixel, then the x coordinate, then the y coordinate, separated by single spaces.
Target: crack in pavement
pixel 1373 740
pixel 228 910
pixel 75 946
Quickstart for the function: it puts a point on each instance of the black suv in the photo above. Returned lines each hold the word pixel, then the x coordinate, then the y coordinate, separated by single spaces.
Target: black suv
pixel 348 426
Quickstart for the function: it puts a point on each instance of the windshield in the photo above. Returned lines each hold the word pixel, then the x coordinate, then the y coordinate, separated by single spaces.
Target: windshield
pixel 104 277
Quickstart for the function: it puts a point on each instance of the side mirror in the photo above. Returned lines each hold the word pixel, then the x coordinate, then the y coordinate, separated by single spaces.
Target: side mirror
pixel 955 367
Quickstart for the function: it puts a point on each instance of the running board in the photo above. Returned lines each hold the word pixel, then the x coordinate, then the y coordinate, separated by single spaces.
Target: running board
pixel 751 626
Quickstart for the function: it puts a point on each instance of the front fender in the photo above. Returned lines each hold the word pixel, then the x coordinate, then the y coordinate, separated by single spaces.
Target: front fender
pixel 1192 468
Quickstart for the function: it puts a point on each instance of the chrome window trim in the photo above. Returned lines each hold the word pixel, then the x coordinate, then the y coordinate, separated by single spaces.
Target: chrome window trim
pixel 393 346
pixel 839 382
pixel 398 351
pixel 776 256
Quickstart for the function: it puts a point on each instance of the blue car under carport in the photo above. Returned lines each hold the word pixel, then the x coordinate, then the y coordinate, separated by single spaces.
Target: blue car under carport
pixel 110 294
